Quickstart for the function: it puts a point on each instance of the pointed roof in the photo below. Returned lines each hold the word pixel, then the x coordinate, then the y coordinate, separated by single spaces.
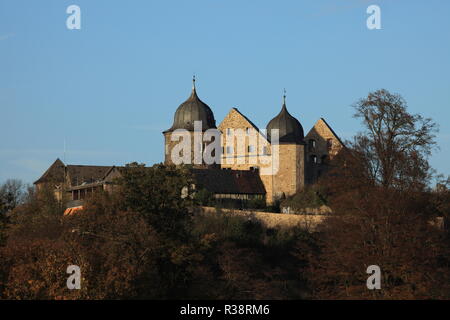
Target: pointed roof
pixel 240 114
pixel 328 127
pixel 193 109
pixel 55 173
pixel 290 129
pixel 332 131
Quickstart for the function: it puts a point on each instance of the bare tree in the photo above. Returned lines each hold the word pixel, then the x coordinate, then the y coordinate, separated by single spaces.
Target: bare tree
pixel 12 194
pixel 395 144
pixel 377 188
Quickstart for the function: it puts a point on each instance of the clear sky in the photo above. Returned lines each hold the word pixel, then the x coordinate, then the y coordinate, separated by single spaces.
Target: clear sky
pixel 111 88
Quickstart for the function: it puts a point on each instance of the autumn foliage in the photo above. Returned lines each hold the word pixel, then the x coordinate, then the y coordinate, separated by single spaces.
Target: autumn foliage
pixel 144 242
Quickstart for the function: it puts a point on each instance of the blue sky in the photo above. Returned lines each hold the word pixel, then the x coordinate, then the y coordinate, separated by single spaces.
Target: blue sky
pixel 110 88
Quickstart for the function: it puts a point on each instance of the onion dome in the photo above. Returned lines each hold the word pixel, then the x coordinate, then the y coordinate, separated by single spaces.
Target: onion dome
pixel 290 129
pixel 193 109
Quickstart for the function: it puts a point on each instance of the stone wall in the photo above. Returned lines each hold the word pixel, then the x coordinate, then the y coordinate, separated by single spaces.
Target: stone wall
pixel 327 145
pixel 239 139
pixel 282 175
pixel 290 176
pixel 241 158
pixel 270 220
pixel 322 210
pixel 195 140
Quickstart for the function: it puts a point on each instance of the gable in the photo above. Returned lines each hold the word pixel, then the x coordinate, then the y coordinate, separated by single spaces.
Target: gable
pixel 113 173
pixel 323 134
pixel 236 120
pixel 55 173
pixel 323 130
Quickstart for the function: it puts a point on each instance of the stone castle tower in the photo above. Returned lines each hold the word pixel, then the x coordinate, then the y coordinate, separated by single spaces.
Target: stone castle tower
pixel 191 111
pixel 290 177
pixel 283 158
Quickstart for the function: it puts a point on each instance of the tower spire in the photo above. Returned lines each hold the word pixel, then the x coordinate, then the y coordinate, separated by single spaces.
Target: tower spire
pixel 284 98
pixel 193 83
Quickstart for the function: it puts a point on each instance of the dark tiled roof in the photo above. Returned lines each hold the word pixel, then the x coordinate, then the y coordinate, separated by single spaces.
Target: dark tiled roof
pixel 290 129
pixel 229 181
pixel 88 174
pixel 193 109
pixel 53 174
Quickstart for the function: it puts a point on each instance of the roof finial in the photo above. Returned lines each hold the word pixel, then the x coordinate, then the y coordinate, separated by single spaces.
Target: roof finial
pixel 284 97
pixel 193 83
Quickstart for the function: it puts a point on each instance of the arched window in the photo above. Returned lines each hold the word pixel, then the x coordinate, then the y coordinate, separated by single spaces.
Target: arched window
pixel 313 159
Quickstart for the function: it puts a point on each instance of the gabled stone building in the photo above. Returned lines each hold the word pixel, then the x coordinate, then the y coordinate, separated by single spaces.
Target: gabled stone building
pixel 253 164
pixel 284 163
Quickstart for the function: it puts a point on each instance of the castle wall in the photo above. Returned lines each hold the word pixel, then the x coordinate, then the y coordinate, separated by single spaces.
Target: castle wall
pixel 291 174
pixel 241 158
pixel 193 157
pixel 270 220
pixel 326 147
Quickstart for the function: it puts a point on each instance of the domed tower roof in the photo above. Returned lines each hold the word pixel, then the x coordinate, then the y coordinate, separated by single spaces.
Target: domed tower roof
pixel 290 129
pixel 193 109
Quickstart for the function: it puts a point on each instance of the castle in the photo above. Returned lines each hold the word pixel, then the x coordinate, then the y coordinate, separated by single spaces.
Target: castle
pixel 253 164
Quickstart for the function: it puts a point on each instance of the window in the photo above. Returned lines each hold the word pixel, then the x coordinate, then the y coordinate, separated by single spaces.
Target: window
pixel 228 132
pixel 229 150
pixel 329 144
pixel 251 148
pixel 312 144
pixel 249 130
pixel 313 159
pixel 266 151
